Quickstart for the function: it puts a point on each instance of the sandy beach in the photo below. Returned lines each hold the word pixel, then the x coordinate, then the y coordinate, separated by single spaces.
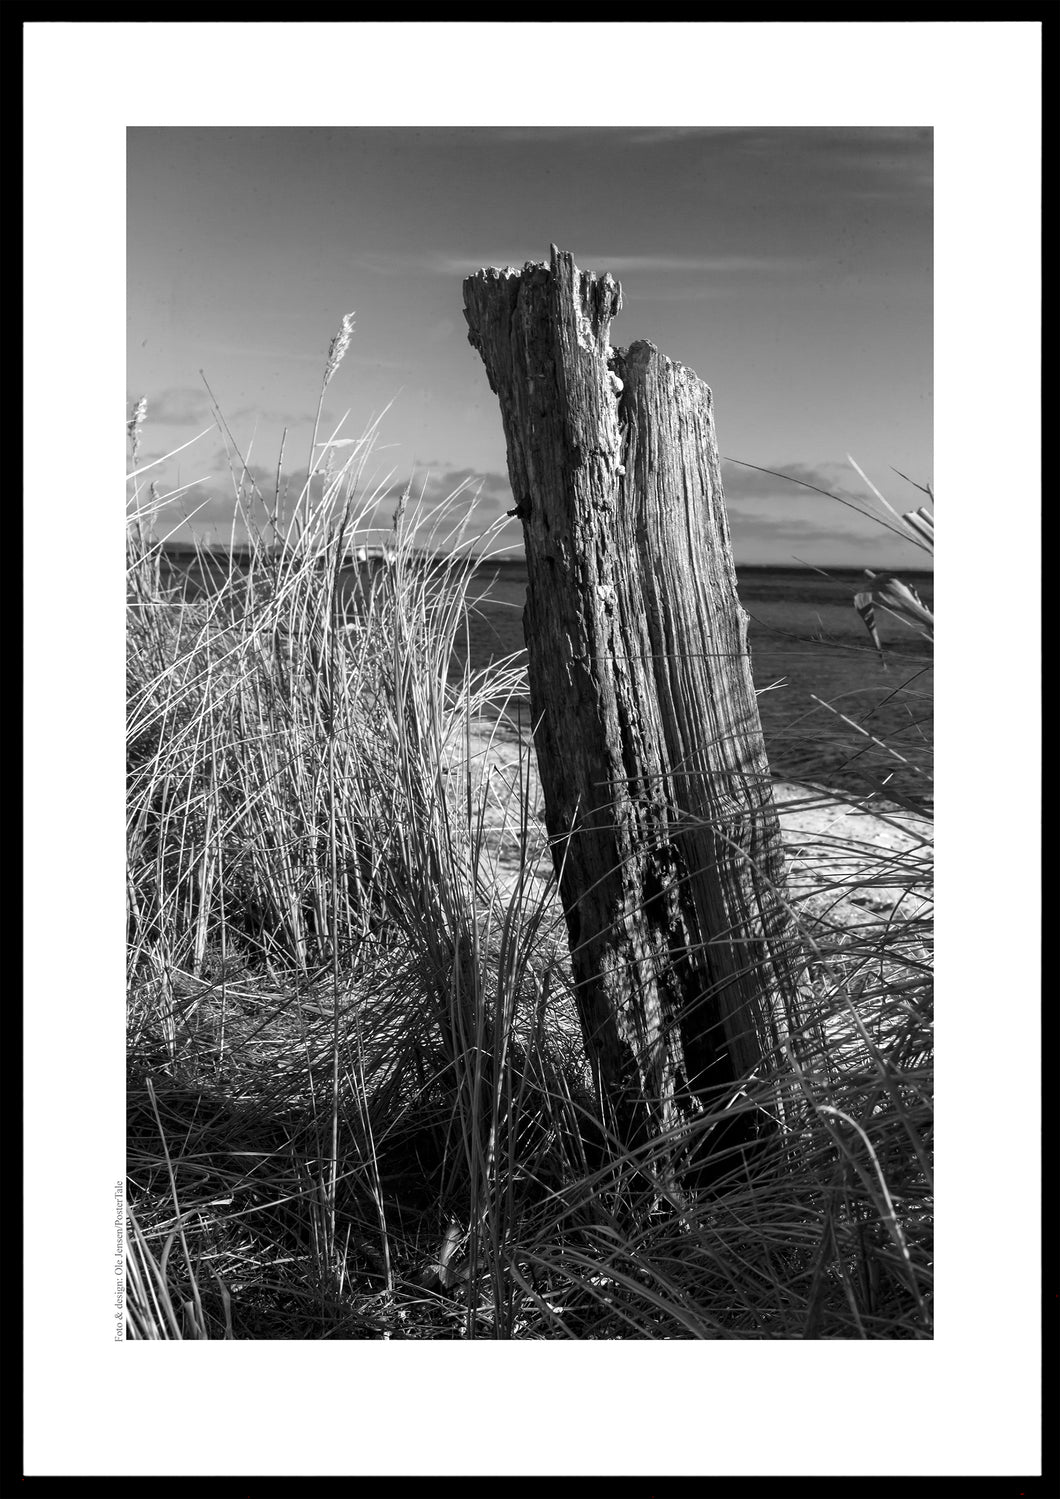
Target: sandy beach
pixel 851 862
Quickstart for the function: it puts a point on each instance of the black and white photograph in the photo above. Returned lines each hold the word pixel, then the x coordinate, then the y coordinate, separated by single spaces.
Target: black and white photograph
pixel 530 733
pixel 528 728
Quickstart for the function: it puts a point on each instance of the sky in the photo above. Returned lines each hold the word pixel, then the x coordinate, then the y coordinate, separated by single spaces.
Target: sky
pixel 791 268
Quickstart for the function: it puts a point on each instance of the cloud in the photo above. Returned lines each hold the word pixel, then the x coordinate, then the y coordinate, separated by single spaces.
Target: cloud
pixel 770 528
pixel 490 482
pixel 872 148
pixel 779 522
pixel 444 499
pixel 179 406
pixel 745 485
pixel 720 265
pixel 866 144
pixel 452 501
pixel 765 510
pixel 698 264
pixel 452 506
pixel 868 161
pixel 904 150
pixel 453 263
pixel 211 514
pixel 198 511
pixel 668 135
pixel 743 482
pixel 444 478
pixel 772 541
pixel 489 491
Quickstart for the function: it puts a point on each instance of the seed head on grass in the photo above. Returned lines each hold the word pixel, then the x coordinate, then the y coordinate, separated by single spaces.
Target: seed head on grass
pixel 336 354
pixel 399 512
pixel 339 344
pixel 136 421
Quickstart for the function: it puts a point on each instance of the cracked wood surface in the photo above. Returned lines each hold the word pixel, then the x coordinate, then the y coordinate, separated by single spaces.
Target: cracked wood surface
pixel 658 801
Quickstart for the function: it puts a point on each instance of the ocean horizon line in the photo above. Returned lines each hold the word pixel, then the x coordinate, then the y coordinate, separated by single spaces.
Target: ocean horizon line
pixel 379 551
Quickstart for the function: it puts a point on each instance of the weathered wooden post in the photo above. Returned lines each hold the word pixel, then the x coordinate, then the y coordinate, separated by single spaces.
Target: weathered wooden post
pixel 657 792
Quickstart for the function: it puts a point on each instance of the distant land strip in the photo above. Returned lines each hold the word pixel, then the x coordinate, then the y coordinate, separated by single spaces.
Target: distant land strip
pixel 380 552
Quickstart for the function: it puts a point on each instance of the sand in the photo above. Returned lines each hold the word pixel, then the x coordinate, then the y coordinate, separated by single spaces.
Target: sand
pixel 851 863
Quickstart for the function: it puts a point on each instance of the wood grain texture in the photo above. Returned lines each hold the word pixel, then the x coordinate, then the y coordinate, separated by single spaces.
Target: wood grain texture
pixel 657 791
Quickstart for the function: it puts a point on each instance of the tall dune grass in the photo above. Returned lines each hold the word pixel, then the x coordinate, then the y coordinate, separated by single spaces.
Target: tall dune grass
pixel 359 1104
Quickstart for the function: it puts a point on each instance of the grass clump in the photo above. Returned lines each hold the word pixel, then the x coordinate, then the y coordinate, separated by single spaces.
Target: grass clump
pixel 359 1103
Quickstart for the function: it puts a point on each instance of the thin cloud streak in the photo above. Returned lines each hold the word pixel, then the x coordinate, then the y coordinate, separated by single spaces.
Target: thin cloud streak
pixel 754 481
pixel 701 264
pixel 667 135
pixel 453 265
pixel 178 406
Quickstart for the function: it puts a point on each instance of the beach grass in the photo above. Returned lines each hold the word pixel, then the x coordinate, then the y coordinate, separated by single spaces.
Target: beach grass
pixel 359 1101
